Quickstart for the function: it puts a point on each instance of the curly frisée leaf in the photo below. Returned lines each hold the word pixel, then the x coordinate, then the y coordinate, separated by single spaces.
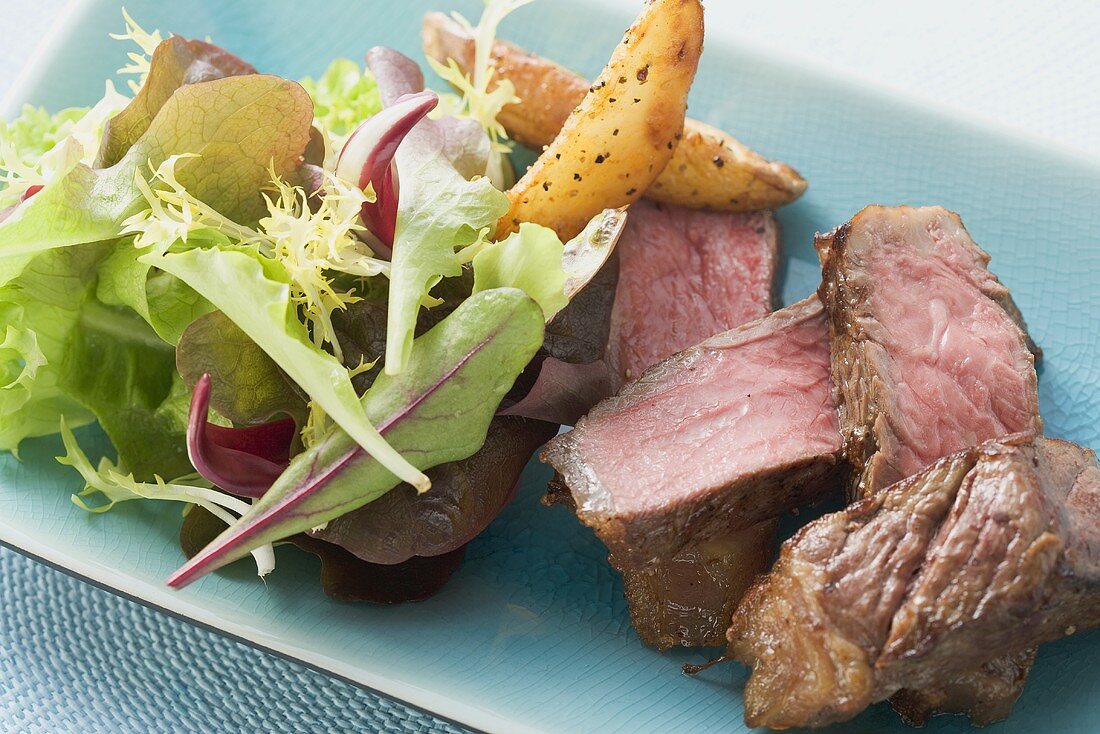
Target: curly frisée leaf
pixel 230 134
pixel 113 487
pixel 477 101
pixel 310 242
pixel 254 292
pixel 146 41
pixel 436 411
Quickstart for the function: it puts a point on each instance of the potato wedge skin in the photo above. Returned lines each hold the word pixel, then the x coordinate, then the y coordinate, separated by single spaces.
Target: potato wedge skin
pixel 622 135
pixel 712 170
pixel 709 168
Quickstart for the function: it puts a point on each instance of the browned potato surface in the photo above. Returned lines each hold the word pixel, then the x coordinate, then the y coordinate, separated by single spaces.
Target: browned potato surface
pixel 709 169
pixel 623 133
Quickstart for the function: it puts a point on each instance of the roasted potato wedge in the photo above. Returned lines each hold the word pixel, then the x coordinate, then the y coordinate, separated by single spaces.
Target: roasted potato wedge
pixel 623 133
pixel 709 169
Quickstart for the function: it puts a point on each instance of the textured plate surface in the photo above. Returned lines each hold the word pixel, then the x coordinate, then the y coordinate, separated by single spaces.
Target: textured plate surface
pixel 532 634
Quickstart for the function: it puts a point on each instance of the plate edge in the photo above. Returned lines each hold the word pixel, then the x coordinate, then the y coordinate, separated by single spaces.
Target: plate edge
pixel 478 720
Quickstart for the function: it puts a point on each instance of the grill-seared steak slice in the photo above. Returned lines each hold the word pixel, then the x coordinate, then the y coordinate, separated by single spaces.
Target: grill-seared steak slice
pixel 717 439
pixel 986 553
pixel 930 355
pixel 926 357
pixel 684 276
pixel 689 599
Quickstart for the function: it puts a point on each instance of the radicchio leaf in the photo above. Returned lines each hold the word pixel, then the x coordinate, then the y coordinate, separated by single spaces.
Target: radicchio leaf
pixel 242 461
pixel 367 160
pixel 462 141
pixel 465 497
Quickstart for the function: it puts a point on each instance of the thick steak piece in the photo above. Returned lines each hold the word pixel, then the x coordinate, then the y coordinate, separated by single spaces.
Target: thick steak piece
pixel 984 554
pixel 686 275
pixel 682 276
pixel 689 599
pixel 928 350
pixel 717 439
pixel 930 355
pixel 678 276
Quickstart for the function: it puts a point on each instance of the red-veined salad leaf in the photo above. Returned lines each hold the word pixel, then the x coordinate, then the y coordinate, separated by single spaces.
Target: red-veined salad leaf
pixel 440 211
pixel 254 292
pixel 436 411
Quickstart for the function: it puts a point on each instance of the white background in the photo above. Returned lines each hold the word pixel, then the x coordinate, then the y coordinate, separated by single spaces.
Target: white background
pixel 1025 63
pixel 1029 64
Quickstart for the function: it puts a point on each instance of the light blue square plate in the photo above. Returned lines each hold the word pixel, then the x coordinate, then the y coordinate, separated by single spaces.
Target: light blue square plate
pixel 533 635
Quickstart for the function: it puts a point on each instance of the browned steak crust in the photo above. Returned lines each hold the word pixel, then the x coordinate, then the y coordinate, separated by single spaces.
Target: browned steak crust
pixel 985 554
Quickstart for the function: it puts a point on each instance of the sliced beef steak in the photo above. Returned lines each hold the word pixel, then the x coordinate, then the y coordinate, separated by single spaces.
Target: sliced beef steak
pixel 930 355
pixel 682 276
pixel 985 694
pixel 984 554
pixel 722 437
pixel 690 598
pixel 678 276
pixel 686 275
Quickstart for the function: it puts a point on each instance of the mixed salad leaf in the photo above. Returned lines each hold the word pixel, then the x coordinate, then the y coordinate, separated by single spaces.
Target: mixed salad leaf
pixel 280 300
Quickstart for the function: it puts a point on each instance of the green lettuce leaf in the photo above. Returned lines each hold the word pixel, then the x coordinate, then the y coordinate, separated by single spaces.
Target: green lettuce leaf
pixel 247 386
pixel 176 62
pixel 116 366
pixel 535 261
pixel 39 310
pixel 531 260
pixel 240 130
pixel 436 411
pixel 38 148
pixel 81 358
pixel 343 96
pixel 165 302
pixel 254 292
pixel 35 131
pixel 440 213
